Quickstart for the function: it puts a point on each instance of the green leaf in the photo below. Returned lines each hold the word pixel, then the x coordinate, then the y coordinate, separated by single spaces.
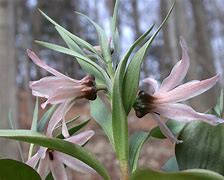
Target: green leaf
pixel 138 139
pixel 103 40
pixel 12 169
pixel 171 165
pixel 70 43
pixel 135 144
pixel 58 145
pixel 119 116
pixel 90 63
pixel 102 116
pixel 85 66
pixel 115 17
pixel 193 174
pixel 132 76
pixel 35 117
pixel 45 118
pixel 202 147
pixel 78 40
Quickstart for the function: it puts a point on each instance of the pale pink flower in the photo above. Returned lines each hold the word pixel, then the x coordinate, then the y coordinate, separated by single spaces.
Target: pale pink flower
pixel 60 89
pixel 164 100
pixel 54 161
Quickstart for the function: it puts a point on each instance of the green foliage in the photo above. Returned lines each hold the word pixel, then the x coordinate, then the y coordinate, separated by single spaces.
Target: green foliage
pixel 202 147
pixel 203 144
pixel 171 165
pixel 103 117
pixel 138 139
pixel 193 174
pixel 11 169
pixel 58 145
pixel 35 117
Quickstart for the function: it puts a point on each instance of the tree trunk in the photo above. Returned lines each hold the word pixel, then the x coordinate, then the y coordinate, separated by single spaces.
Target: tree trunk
pixel 203 53
pixel 8 75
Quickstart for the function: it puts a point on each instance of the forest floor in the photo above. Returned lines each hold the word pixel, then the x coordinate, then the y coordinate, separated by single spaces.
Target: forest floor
pixel 154 153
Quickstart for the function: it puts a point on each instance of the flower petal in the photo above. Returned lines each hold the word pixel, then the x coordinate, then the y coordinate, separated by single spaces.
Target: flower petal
pixel 73 163
pixel 182 112
pixel 42 152
pixel 178 72
pixel 81 138
pixel 153 85
pixel 32 162
pixel 62 94
pixel 56 118
pixel 57 169
pixel 186 91
pixel 65 132
pixel 166 131
pixel 41 64
pixel 43 168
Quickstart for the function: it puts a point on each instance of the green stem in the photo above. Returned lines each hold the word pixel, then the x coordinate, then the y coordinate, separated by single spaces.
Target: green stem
pixel 124 171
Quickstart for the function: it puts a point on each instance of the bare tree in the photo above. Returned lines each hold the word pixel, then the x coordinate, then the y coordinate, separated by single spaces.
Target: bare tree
pixel 7 70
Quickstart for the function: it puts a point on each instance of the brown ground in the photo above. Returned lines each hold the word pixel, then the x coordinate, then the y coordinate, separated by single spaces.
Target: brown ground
pixel 153 155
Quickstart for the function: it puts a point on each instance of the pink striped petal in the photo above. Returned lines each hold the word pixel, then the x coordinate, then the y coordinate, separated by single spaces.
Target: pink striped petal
pixel 42 152
pixel 50 82
pixel 43 168
pixel 186 91
pixel 57 169
pixel 56 118
pixel 153 85
pixel 166 131
pixel 41 64
pixel 81 138
pixel 182 112
pixel 178 72
pixel 32 162
pixel 73 163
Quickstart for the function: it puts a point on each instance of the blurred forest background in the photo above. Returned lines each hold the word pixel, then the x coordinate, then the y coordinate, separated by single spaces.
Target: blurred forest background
pixel 200 22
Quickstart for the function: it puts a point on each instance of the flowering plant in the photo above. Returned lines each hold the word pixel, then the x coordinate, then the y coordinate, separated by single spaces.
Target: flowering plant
pixel 118 78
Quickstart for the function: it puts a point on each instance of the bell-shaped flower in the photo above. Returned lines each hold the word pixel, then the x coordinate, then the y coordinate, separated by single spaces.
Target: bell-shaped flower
pixel 163 100
pixel 60 89
pixel 54 161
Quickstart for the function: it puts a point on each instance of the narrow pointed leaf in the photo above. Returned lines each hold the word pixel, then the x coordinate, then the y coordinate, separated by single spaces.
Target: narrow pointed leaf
pixel 132 76
pixel 102 116
pixel 85 66
pixel 58 145
pixel 138 139
pixel 103 40
pixel 35 117
pixel 78 40
pixel 136 142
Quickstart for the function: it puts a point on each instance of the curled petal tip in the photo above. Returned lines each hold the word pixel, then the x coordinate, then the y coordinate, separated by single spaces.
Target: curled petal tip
pixel 183 43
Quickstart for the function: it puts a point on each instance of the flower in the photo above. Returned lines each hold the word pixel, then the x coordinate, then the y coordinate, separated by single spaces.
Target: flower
pixel 51 160
pixel 164 100
pixel 61 89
